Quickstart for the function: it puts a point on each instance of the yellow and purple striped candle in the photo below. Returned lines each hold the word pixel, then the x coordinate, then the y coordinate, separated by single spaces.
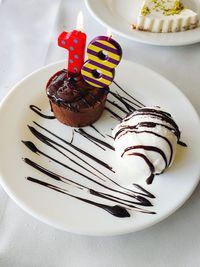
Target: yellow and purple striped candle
pixel 104 54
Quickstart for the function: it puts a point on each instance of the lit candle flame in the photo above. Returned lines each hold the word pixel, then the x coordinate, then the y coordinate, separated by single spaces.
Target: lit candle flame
pixel 79 23
pixel 109 33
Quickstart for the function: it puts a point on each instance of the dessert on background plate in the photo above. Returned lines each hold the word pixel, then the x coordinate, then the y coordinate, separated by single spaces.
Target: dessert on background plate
pixel 165 16
pixel 146 142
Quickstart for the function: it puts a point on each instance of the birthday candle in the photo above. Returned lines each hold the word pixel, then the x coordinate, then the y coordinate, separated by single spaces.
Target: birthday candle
pixel 104 54
pixel 74 42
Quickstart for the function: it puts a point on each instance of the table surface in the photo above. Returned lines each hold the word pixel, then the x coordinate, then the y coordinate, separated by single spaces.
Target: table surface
pixel 28 31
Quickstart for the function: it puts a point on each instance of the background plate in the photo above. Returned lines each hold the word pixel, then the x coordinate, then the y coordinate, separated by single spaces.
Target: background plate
pixel 119 15
pixel 171 189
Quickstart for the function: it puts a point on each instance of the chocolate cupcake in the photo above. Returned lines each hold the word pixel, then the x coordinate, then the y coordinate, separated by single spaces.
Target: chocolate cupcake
pixel 75 102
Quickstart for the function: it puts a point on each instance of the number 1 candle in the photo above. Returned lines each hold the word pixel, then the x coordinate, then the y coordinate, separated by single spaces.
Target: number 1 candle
pixel 104 54
pixel 74 42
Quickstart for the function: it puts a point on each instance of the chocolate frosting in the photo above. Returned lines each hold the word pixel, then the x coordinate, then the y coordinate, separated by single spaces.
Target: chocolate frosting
pixel 73 94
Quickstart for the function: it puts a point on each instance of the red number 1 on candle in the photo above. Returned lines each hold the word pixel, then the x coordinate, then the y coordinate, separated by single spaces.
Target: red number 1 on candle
pixel 74 42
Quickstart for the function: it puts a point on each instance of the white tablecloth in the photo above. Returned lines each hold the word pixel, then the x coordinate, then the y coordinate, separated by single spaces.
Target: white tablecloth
pixel 28 33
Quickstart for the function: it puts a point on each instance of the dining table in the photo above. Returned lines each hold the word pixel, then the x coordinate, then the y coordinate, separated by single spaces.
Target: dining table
pixel 28 41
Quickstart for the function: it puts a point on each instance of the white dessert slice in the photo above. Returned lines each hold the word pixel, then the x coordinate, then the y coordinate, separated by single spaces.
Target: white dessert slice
pixel 165 16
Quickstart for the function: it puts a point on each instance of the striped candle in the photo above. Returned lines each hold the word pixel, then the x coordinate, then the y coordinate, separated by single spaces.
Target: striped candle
pixel 104 54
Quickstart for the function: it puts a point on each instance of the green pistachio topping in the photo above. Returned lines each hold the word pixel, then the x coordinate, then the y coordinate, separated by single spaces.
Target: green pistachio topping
pixel 161 5
pixel 145 10
pixel 177 8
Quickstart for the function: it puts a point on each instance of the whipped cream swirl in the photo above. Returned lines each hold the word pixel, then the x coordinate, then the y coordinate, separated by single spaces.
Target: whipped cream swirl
pixel 146 141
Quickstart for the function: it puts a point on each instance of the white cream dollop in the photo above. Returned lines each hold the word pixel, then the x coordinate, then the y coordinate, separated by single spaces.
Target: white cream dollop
pixel 146 141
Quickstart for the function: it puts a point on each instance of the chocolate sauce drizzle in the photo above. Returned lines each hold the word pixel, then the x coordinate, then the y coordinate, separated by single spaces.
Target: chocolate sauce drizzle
pixel 138 103
pixel 94 128
pixel 34 149
pixel 90 139
pixel 49 142
pixel 115 115
pixel 148 148
pixel 37 111
pixel 97 140
pixel 157 114
pixel 117 106
pixel 125 102
pixel 102 163
pixel 149 132
pixel 125 198
pixel 115 210
pixel 141 201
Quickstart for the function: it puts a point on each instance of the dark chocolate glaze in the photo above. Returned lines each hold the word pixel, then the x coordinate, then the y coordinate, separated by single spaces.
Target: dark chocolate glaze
pixel 115 210
pixel 74 94
pixel 37 111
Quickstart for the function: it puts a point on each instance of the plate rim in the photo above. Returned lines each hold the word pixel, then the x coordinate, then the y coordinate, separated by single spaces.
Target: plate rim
pixel 31 211
pixel 132 38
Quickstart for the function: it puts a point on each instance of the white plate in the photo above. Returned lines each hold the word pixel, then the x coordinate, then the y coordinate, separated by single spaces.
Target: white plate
pixel 118 15
pixel 171 189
